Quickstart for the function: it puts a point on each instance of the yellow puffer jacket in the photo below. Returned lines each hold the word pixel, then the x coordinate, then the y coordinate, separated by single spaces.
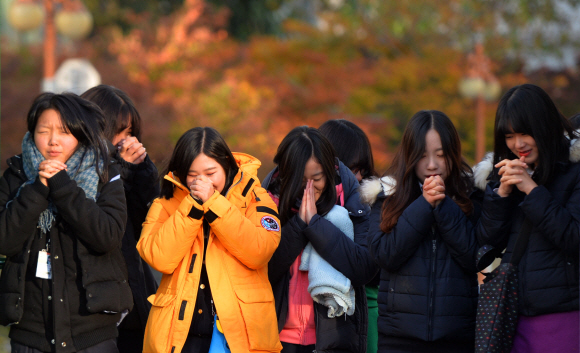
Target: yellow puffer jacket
pixel 245 231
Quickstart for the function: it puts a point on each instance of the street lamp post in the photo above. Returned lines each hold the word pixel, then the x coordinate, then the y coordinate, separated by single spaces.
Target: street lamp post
pixel 479 84
pixel 72 21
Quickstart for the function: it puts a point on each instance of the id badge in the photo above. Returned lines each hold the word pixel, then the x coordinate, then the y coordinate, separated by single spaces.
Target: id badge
pixel 43 267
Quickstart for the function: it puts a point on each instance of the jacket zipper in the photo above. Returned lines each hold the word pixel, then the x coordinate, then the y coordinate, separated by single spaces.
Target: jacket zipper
pixel 241 177
pixel 432 286
pixel 203 255
pixel 171 329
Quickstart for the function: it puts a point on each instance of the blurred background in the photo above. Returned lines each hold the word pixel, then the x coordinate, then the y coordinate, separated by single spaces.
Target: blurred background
pixel 254 69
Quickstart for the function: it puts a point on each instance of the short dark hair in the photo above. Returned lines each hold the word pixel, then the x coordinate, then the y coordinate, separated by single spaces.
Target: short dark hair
pixel 458 184
pixel 83 119
pixel 301 144
pixel 351 145
pixel 528 109
pixel 118 109
pixel 191 144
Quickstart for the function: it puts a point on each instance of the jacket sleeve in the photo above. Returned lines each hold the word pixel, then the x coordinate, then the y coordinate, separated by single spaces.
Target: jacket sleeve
pixel 19 215
pixel 141 188
pixel 292 242
pixel 496 215
pixel 458 233
pixel 559 224
pixel 351 258
pixel 392 250
pixel 243 234
pixel 98 224
pixel 167 238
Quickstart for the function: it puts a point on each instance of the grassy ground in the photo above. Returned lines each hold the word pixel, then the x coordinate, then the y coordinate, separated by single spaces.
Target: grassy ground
pixel 4 341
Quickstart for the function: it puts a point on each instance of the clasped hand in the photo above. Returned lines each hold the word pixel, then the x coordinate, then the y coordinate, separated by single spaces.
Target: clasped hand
pixel 434 190
pixel 513 172
pixel 131 150
pixel 308 207
pixel 201 188
pixel 48 168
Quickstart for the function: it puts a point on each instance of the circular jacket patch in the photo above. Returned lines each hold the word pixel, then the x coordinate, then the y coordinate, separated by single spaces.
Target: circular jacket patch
pixel 270 223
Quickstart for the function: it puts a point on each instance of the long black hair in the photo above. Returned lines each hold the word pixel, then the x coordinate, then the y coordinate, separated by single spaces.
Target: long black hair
pixel 191 144
pixel 118 108
pixel 529 110
pixel 83 119
pixel 458 183
pixel 351 145
pixel 301 144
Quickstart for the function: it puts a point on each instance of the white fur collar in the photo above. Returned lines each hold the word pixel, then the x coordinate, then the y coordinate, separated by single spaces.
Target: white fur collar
pixel 482 169
pixel 370 188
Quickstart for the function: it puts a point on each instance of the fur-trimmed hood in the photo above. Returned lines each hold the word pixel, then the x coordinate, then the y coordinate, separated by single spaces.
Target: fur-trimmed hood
pixel 370 188
pixel 482 169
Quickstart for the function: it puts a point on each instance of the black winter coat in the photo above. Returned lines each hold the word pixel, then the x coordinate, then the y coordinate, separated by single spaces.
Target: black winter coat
pixel 548 270
pixel 80 306
pixel 350 258
pixel 141 185
pixel 428 289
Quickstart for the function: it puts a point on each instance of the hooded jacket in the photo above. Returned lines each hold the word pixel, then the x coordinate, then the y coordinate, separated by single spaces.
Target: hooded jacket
pixel 89 290
pixel 244 232
pixel 428 286
pixel 548 270
pixel 344 333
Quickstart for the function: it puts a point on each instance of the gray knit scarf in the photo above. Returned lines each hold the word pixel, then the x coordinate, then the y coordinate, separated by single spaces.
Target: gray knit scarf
pixel 81 168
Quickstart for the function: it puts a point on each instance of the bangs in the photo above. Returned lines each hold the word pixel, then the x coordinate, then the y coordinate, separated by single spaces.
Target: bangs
pixel 363 165
pixel 124 120
pixel 359 158
pixel 514 122
pixel 128 116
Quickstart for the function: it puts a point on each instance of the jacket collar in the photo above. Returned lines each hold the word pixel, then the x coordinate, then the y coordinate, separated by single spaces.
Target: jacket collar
pixel 247 168
pixel 354 205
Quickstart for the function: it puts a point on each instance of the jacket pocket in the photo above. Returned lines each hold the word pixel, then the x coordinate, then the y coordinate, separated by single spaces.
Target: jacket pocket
pixel 259 314
pixel 11 292
pixel 11 308
pixel 159 323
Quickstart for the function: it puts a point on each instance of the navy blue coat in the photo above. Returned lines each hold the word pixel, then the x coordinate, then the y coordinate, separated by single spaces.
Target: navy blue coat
pixel 352 259
pixel 548 270
pixel 428 288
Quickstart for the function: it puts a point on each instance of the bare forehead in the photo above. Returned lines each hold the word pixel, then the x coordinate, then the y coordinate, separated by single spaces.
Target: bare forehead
pixel 433 141
pixel 203 163
pixel 312 168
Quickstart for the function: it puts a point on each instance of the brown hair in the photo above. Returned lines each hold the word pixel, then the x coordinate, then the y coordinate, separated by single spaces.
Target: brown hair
pixel 457 185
